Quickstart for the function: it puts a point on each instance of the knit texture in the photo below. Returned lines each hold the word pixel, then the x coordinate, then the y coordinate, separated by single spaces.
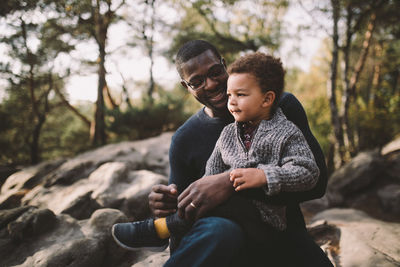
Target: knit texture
pixel 280 150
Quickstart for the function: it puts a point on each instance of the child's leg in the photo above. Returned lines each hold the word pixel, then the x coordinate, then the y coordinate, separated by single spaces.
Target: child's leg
pixel 151 234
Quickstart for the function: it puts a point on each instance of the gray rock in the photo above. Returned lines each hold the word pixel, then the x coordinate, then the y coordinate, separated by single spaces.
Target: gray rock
pixel 85 252
pixel 82 207
pixel 7 216
pixel 356 175
pixel 151 154
pixel 389 197
pixel 32 222
pixel 391 147
pixel 153 260
pixel 68 243
pixel 112 185
pixel 392 166
pixel 31 176
pixel 364 241
pixel 17 185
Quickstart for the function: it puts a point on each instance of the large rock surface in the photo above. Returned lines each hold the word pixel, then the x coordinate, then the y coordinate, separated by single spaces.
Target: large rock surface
pixel 370 182
pixel 59 213
pixel 359 240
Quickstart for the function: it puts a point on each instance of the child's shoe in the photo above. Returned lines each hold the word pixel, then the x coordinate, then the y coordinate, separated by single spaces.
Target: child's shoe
pixel 138 235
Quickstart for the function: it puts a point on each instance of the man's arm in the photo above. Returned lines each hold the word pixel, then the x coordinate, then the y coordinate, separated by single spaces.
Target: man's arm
pixel 294 111
pixel 205 193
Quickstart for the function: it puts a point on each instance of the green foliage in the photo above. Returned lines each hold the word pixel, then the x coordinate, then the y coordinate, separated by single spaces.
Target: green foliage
pixel 232 26
pixel 64 135
pixel 138 122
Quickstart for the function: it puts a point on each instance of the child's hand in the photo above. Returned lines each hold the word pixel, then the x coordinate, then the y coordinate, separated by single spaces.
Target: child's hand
pixel 247 178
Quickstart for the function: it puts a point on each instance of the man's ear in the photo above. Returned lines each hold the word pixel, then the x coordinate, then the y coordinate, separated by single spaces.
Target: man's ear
pixel 223 62
pixel 269 98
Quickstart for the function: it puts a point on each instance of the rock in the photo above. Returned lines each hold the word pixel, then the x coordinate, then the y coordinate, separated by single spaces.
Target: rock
pixel 154 260
pixel 31 176
pixel 17 185
pixel 392 166
pixel 112 185
pixel 391 147
pixel 99 226
pixel 82 207
pixel 364 241
pixel 102 220
pixel 356 175
pixel 68 243
pixel 5 172
pixel 83 252
pixel 389 197
pixel 32 222
pixel 7 216
pixel 151 154
pixel 312 207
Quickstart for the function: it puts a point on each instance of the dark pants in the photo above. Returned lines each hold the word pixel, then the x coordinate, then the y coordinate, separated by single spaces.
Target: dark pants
pixel 234 235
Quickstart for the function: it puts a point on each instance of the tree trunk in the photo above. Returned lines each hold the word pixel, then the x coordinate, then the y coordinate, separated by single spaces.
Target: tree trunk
pixel 99 125
pixel 352 94
pixel 150 48
pixel 100 34
pixel 35 153
pixel 347 92
pixel 335 120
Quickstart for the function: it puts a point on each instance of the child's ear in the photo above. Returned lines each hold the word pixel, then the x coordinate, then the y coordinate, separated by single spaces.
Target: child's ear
pixel 269 98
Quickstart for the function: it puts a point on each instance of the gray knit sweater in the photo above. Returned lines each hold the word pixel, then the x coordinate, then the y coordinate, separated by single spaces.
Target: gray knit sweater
pixel 280 150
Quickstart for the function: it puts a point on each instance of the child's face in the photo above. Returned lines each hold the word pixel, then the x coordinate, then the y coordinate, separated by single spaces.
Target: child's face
pixel 246 101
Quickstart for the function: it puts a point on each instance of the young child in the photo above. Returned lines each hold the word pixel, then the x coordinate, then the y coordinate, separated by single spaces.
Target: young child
pixel 261 149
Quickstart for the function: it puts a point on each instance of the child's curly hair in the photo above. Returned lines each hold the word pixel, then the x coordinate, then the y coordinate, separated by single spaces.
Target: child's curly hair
pixel 267 70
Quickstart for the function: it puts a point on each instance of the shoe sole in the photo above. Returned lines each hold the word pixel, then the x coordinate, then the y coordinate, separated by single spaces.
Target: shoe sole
pixel 153 249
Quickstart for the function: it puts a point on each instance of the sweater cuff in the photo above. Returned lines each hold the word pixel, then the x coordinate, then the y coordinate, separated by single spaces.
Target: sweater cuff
pixel 273 186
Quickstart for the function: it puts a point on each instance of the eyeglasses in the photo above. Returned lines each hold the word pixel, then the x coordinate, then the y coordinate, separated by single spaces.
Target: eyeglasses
pixel 213 73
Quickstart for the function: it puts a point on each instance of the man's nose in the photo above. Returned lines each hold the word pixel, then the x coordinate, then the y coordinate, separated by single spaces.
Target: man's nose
pixel 210 83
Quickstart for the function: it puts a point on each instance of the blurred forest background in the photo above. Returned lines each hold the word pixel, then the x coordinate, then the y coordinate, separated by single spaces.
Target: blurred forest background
pixel 350 90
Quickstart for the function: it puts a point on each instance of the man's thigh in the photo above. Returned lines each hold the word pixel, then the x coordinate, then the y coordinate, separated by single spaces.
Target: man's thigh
pixel 212 241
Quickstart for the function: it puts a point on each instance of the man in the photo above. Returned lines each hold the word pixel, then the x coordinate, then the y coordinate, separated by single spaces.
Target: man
pixel 215 241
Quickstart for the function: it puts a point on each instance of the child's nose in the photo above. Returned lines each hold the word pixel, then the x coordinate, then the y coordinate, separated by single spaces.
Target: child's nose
pixel 232 100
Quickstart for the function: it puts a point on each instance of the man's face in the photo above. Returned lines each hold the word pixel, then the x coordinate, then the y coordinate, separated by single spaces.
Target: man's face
pixel 206 68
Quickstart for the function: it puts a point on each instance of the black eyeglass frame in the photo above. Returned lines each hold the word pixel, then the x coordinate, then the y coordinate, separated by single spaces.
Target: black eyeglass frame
pixel 205 78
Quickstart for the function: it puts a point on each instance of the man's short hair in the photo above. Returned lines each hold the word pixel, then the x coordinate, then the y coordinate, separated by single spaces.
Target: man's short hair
pixel 267 69
pixel 192 49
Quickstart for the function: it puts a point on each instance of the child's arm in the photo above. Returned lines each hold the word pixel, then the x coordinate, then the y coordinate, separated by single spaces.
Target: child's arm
pixel 297 170
pixel 245 178
pixel 294 111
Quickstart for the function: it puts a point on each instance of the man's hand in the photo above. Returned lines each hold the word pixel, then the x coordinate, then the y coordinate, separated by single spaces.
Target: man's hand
pixel 203 195
pixel 246 178
pixel 163 199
